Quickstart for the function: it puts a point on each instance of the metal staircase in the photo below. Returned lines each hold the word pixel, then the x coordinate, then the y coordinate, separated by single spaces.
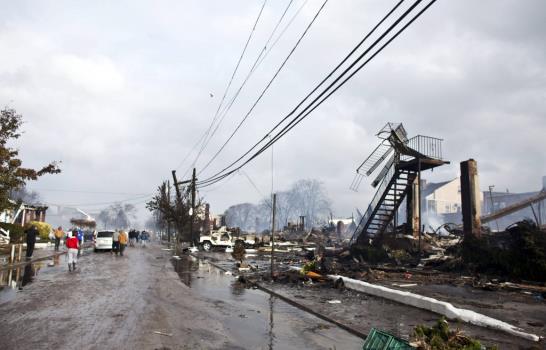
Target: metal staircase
pixel 402 160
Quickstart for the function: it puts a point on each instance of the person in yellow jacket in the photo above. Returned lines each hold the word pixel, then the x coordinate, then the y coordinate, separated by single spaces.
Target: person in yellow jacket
pixel 123 239
pixel 58 235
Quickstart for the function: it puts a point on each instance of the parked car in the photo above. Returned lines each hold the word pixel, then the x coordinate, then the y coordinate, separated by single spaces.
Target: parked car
pixel 103 240
pixel 223 238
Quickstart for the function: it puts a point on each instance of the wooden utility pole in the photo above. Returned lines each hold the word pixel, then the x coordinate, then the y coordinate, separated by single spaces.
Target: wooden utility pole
pixel 193 180
pixel 176 185
pixel 419 196
pixel 168 204
pixel 179 199
pixel 177 204
pixel 273 231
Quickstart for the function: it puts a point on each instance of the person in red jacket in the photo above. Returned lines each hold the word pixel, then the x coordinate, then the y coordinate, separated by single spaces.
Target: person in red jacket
pixel 72 244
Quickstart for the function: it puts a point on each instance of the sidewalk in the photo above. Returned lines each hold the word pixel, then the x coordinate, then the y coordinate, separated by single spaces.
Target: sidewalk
pixel 39 254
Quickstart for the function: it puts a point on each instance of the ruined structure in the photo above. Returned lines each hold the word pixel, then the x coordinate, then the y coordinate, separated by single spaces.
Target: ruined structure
pixel 401 160
pixel 470 198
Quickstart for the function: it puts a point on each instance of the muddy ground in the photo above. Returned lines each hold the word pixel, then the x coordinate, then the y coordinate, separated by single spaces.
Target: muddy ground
pixel 114 302
pixel 526 310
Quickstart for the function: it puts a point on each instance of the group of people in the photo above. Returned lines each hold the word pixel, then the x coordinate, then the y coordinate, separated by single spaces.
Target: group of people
pixel 32 232
pixel 120 239
pixel 59 234
pixel 119 242
pixel 74 240
pixel 136 236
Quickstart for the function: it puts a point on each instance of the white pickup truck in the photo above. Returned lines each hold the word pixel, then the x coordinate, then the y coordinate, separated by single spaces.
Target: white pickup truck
pixel 223 238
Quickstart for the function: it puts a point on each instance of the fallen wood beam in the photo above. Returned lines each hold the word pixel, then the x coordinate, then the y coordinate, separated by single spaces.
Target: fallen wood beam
pixel 514 207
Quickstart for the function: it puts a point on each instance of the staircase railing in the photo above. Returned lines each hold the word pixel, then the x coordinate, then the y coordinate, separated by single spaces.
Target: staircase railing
pixel 374 203
pixel 428 146
pixel 380 153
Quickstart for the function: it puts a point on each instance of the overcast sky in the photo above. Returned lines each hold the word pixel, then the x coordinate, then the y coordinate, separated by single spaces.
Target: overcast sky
pixel 120 91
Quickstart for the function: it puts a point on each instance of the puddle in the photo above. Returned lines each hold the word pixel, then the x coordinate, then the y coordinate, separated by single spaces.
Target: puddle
pixel 257 320
pixel 16 280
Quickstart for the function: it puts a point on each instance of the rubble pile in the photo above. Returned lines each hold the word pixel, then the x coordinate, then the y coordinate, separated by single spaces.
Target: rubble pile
pixel 518 253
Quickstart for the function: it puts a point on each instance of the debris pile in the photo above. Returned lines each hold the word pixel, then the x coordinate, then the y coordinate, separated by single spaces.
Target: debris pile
pixel 440 336
pixel 518 253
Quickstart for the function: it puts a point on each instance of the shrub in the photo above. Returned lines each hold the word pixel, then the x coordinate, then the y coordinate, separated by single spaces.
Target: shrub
pixel 43 229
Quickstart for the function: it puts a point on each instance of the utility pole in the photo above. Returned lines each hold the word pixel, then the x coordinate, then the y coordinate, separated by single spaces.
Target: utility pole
pixel 179 198
pixel 273 231
pixel 492 204
pixel 420 202
pixel 168 204
pixel 177 204
pixel 193 180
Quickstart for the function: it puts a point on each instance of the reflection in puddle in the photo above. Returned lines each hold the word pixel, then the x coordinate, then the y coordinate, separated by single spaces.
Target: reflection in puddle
pixel 256 320
pixel 271 323
pixel 12 280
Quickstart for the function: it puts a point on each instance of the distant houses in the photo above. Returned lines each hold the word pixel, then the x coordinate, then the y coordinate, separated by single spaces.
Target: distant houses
pixel 24 214
pixel 441 203
pixel 20 215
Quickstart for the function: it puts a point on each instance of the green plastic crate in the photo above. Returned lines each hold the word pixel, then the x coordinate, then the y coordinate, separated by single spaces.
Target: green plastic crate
pixel 379 340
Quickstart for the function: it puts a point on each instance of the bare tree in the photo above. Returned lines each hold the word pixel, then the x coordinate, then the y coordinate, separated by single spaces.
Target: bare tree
pixel 311 201
pixel 304 198
pixel 241 215
pixel 176 211
pixel 117 216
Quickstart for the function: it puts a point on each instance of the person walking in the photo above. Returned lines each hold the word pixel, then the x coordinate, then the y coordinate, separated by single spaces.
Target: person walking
pixel 58 235
pixel 144 238
pixel 72 244
pixel 122 241
pixel 31 233
pixel 115 242
pixel 79 236
pixel 131 238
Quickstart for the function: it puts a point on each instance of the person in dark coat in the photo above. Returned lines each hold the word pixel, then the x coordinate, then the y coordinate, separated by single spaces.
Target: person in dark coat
pixel 31 233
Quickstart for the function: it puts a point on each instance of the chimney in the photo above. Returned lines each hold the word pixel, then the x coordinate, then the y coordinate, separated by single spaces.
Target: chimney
pixel 544 183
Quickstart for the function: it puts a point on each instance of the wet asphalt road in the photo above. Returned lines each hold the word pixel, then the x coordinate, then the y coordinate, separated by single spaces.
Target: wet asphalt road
pixel 114 302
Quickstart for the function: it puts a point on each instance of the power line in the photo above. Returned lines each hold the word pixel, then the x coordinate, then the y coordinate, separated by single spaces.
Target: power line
pixel 270 48
pixel 307 110
pixel 255 65
pixel 283 31
pixel 83 191
pixel 229 83
pixel 251 182
pixel 191 150
pixel 319 85
pixel 267 86
pixel 299 118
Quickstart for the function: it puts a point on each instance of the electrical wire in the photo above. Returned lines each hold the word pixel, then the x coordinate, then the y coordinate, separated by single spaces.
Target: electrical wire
pixel 267 86
pixel 310 109
pixel 89 192
pixel 283 31
pixel 191 150
pixel 230 82
pixel 249 74
pixel 270 48
pixel 319 85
